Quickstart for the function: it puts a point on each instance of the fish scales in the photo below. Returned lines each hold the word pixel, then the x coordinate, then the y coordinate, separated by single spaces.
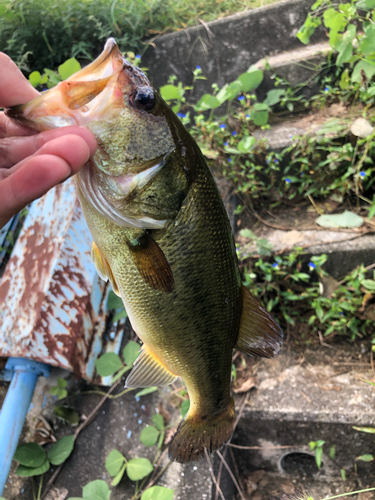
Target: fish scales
pixel 162 237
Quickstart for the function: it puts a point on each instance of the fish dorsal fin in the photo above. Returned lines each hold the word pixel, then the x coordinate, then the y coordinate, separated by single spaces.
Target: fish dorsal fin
pixel 148 371
pixel 77 94
pixel 102 267
pixel 259 334
pixel 151 263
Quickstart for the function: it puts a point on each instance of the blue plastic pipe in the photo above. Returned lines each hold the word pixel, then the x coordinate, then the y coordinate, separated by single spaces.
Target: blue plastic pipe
pixel 15 408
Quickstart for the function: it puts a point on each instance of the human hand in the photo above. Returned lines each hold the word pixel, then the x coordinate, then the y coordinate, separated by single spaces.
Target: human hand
pixel 32 163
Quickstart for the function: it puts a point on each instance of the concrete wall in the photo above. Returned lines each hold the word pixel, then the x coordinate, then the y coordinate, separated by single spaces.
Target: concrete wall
pixel 227 47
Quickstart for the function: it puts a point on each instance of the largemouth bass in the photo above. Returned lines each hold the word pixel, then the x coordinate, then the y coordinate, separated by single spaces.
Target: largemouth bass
pixel 163 239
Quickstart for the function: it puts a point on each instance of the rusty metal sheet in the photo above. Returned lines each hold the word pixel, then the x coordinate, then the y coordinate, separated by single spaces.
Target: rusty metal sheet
pixel 52 302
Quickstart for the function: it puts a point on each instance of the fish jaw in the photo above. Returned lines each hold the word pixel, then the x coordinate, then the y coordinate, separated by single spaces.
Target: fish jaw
pixel 92 94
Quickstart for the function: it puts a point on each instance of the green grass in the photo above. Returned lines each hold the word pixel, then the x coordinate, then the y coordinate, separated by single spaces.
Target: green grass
pixel 39 35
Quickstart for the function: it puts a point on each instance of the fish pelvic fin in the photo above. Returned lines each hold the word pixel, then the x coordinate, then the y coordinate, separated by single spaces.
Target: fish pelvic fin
pixel 195 433
pixel 148 371
pixel 103 268
pixel 259 334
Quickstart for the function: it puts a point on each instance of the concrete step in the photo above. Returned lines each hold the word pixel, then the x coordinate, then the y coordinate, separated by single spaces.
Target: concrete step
pixel 227 47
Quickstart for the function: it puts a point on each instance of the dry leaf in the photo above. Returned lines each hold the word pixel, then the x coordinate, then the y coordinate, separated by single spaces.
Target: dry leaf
pixel 244 384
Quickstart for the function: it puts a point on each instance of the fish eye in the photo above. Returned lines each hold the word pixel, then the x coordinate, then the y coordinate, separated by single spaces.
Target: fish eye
pixel 144 99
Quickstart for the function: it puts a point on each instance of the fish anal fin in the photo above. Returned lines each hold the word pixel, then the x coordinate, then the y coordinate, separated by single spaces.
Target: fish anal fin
pixel 103 268
pixel 148 371
pixel 259 334
pixel 152 264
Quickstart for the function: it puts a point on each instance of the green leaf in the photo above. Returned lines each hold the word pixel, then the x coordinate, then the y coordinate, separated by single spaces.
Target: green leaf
pixel 68 68
pixel 308 28
pixel 130 352
pixel 369 430
pixel 274 96
pixel 138 468
pixel 147 390
pixel 207 101
pixel 367 44
pixel 223 94
pixel 158 421
pixel 120 315
pixel 169 92
pixel 119 475
pixel 234 89
pixel 61 450
pixel 114 301
pixel 334 20
pixel 366 458
pixel 68 414
pixel 114 462
pixel 369 284
pixel 108 364
pixel 24 471
pixel 370 4
pixel 30 455
pixel 61 383
pixel 259 118
pixel 367 66
pixel 246 144
pixel 343 474
pixel 346 219
pixel 251 79
pixel 96 490
pixel 345 54
pixel 318 456
pixel 312 445
pixel 35 78
pixel 157 493
pixel 185 407
pixel 247 233
pixel 332 452
pixel 54 390
pixel 54 78
pixel 149 435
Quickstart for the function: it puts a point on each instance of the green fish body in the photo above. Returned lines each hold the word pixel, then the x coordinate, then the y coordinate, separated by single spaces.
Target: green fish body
pixel 162 237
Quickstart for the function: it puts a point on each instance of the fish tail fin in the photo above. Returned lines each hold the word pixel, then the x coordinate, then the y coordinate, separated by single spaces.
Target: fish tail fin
pixel 195 433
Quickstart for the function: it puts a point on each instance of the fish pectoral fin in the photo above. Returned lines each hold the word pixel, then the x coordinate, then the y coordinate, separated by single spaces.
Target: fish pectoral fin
pixel 103 268
pixel 151 263
pixel 259 334
pixel 148 371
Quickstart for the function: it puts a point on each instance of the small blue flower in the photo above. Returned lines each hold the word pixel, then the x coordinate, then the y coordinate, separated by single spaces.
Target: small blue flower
pixel 287 180
pixel 198 67
pixel 275 265
pixel 222 125
pixel 312 266
pixel 341 313
pixel 247 116
pixel 229 159
pixel 241 97
pixel 326 89
pixel 276 160
pixel 181 115
pixel 225 144
pixel 362 174
pixel 302 174
pixel 291 136
pixel 234 133
pixel 137 56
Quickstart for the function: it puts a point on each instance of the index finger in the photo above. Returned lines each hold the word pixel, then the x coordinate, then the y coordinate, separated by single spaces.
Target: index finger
pixel 14 88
